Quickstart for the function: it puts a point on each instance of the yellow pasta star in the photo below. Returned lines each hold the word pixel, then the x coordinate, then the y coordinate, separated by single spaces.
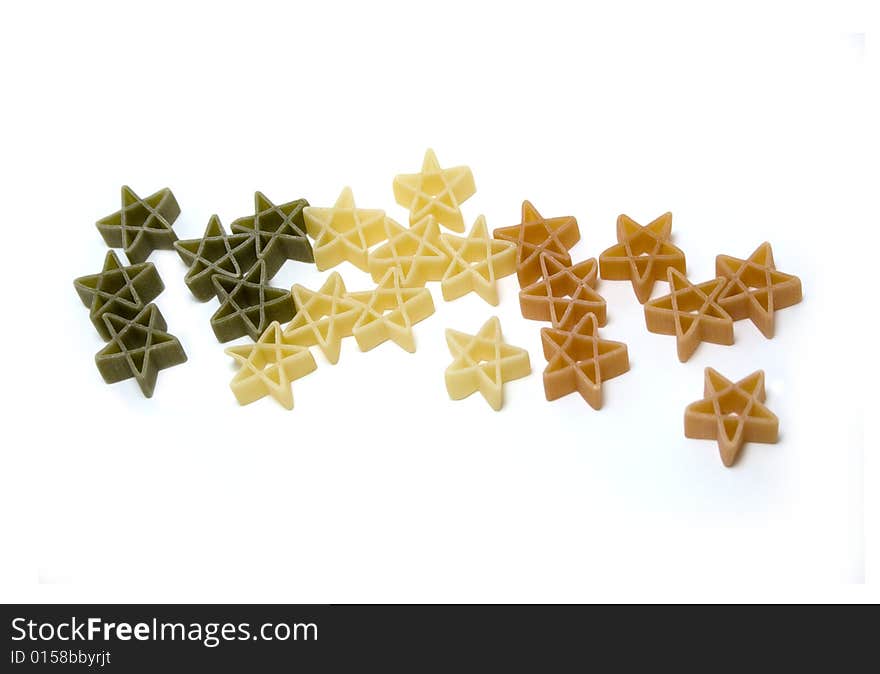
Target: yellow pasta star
pixel 268 367
pixel 344 232
pixel 389 312
pixel 435 191
pixel 483 362
pixel 323 317
pixel 415 251
pixel 476 261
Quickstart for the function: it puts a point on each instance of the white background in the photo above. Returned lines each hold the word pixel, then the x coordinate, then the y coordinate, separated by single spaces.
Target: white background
pixel 748 122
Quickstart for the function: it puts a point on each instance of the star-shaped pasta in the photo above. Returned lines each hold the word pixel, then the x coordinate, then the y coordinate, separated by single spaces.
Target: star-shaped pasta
pixel 344 232
pixel 475 263
pixel 732 414
pixel 435 191
pixel 268 367
pixel 389 313
pixel 483 362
